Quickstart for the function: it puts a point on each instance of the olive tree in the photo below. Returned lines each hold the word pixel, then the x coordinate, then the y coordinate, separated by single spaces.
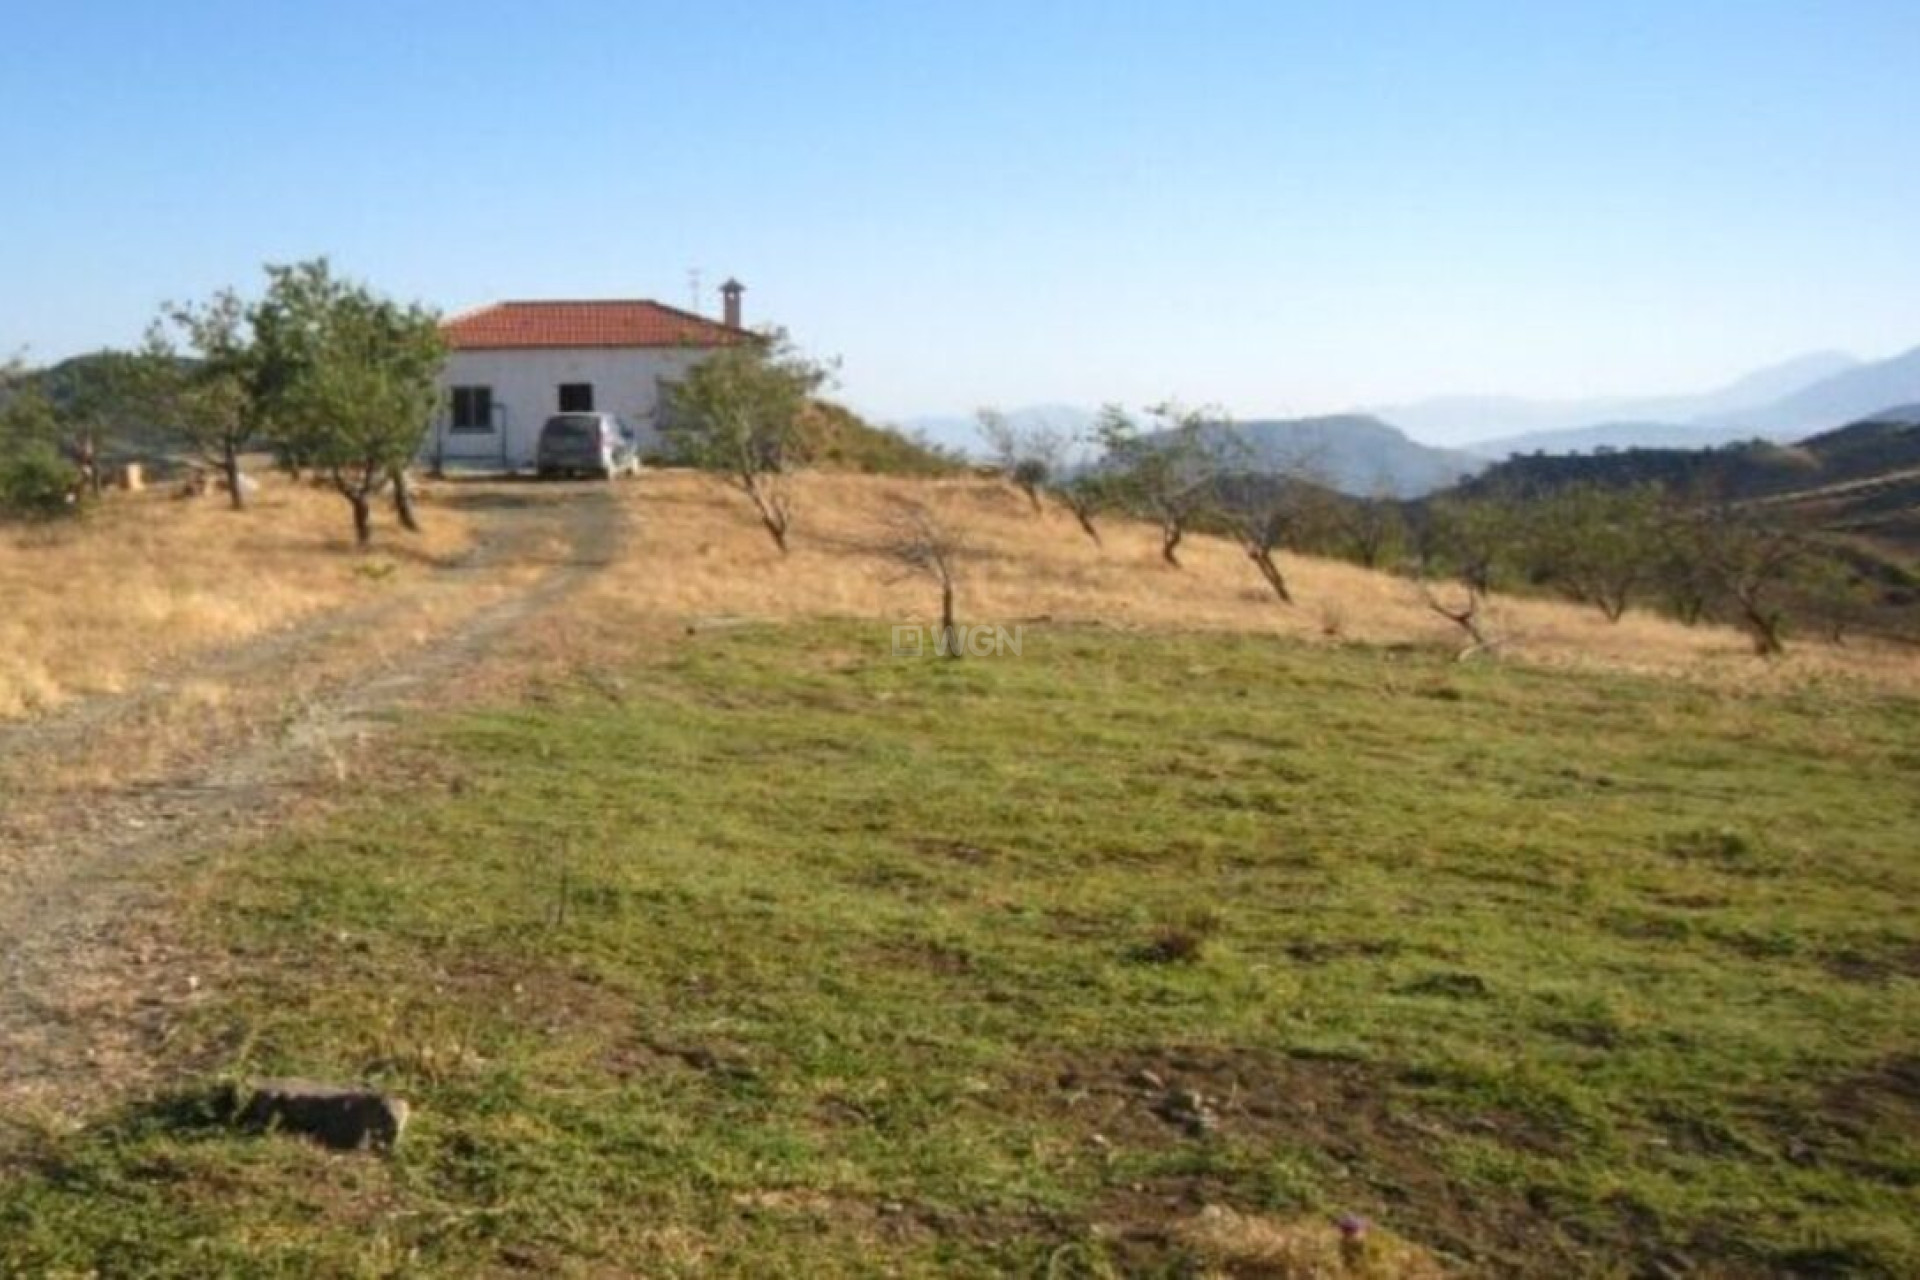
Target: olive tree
pixel 740 414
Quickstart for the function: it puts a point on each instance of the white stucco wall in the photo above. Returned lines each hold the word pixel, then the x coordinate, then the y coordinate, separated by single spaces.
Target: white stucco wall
pixel 526 392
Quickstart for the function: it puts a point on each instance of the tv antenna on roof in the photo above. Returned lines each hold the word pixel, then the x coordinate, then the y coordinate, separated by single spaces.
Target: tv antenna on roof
pixel 693 290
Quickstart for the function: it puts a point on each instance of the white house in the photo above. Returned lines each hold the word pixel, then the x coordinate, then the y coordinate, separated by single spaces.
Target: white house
pixel 513 365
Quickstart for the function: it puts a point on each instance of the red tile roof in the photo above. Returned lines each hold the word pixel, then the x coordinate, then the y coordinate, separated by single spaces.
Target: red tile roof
pixel 609 323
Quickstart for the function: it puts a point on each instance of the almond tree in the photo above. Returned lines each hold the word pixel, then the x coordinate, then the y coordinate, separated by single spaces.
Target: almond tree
pixel 740 414
pixel 1086 496
pixel 923 543
pixel 1371 528
pixel 1167 473
pixel 1752 562
pixel 1029 456
pixel 1599 544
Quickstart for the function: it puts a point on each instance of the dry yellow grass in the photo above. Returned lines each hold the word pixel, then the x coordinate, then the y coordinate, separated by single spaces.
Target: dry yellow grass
pixel 694 551
pixel 1234 1244
pixel 146 579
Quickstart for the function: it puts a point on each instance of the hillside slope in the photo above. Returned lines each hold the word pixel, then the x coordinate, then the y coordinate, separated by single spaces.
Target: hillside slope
pixel 1861 479
pixel 1037 569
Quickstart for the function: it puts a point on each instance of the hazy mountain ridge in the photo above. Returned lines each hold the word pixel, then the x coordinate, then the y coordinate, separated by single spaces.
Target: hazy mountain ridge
pixel 1854 393
pixel 1851 396
pixel 1486 422
pixel 1354 453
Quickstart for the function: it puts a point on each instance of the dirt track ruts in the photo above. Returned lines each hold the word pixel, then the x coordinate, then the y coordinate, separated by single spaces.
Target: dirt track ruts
pixel 85 983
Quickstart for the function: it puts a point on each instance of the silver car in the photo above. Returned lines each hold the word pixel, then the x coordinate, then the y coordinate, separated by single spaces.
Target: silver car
pixel 592 444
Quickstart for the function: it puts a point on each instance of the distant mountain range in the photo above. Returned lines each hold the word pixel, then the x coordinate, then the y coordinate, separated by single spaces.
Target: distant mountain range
pixel 1382 450
pixel 1502 421
pixel 1805 400
pixel 1353 453
pixel 962 431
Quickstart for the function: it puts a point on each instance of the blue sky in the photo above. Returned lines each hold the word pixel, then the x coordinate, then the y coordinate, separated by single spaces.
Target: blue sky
pixel 1275 207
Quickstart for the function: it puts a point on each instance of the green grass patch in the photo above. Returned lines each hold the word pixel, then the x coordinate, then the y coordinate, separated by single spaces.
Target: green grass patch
pixel 799 951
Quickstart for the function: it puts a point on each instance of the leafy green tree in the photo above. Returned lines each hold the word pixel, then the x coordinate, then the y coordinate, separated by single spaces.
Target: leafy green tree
pixel 1600 545
pixel 35 481
pixel 350 381
pixel 741 414
pixel 1751 561
pixel 68 412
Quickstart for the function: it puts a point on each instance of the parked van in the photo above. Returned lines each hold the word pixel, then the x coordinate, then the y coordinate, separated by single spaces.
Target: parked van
pixel 593 444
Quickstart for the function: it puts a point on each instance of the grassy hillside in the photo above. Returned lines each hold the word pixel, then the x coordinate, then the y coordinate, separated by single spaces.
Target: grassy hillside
pixel 1861 480
pixel 841 440
pixel 1126 954
pixel 693 553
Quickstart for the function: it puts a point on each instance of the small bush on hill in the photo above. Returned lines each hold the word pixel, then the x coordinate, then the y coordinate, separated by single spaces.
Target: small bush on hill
pixel 36 483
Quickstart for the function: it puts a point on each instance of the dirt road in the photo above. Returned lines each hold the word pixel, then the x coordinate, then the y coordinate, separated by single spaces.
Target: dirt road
pixel 104 803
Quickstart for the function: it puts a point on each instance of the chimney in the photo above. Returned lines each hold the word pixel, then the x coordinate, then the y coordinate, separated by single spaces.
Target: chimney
pixel 731 291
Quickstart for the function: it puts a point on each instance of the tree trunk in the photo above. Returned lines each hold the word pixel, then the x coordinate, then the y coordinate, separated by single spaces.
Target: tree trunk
pixel 773 513
pixel 362 517
pixel 230 464
pixel 90 463
pixel 403 500
pixel 1170 535
pixel 1263 560
pixel 1764 624
pixel 949 632
pixel 1086 524
pixel 1467 618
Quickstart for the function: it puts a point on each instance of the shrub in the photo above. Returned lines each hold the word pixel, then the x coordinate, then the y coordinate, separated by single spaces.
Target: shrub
pixel 36 483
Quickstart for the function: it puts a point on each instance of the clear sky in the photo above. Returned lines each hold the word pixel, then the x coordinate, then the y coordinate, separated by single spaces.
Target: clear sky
pixel 1276 207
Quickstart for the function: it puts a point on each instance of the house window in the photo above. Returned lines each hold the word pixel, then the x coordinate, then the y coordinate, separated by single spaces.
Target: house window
pixel 472 409
pixel 576 397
